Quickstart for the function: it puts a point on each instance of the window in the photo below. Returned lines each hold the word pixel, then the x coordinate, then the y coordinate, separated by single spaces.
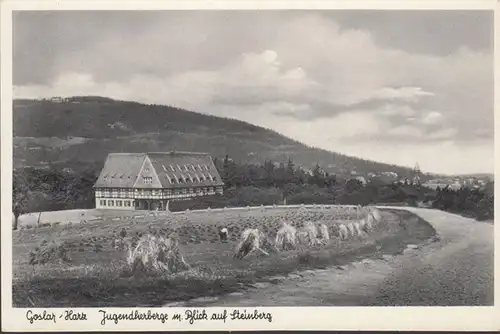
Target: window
pixel 111 203
pixel 148 179
pixel 103 202
pixel 118 203
pixel 172 180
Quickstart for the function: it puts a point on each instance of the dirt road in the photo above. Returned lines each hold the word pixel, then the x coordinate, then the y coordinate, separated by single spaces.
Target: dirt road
pixel 456 271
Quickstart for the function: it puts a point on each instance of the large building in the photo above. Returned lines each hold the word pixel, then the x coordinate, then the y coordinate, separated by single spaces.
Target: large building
pixel 147 181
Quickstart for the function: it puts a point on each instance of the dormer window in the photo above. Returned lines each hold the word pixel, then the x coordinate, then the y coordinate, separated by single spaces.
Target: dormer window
pixel 172 180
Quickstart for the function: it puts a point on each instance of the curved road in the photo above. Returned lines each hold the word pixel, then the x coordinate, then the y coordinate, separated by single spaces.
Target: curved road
pixel 456 270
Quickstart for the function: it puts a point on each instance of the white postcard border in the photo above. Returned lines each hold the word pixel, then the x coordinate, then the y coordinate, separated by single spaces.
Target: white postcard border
pixel 284 318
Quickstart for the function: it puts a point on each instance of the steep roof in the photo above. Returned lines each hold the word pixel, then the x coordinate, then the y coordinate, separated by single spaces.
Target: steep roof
pixel 120 170
pixel 174 169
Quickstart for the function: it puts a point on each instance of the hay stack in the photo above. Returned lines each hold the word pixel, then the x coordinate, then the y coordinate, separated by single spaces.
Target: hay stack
pixel 364 225
pixel 308 235
pixel 343 232
pixel 286 238
pixel 156 254
pixel 49 252
pixel 369 222
pixel 375 213
pixel 323 233
pixel 252 240
pixel 351 229
pixel 359 211
pixel 357 229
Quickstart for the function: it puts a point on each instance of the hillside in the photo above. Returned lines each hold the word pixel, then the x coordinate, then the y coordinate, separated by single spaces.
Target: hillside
pixel 79 132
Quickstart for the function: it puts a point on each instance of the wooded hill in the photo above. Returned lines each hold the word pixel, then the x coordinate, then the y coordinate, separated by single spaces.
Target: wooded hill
pixel 79 132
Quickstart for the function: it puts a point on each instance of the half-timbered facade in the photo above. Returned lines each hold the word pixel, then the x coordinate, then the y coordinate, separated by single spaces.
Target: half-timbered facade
pixel 147 181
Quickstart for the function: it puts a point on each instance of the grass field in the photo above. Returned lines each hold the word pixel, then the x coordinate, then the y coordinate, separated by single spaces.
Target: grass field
pixel 97 273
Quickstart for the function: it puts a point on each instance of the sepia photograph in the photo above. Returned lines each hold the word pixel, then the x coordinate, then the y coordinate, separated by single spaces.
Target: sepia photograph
pixel 251 159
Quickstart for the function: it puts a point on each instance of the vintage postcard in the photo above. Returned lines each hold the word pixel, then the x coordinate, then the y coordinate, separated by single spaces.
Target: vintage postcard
pixel 248 165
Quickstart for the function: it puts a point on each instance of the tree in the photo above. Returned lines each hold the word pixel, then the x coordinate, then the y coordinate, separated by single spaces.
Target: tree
pixel 317 176
pixel 20 196
pixel 353 185
pixel 17 210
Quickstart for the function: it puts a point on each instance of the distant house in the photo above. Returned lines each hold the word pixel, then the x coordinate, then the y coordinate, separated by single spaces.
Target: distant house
pixel 147 181
pixel 362 180
pixel 57 99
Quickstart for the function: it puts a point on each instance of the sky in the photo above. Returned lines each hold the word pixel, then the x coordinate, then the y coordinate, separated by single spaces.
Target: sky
pixel 399 87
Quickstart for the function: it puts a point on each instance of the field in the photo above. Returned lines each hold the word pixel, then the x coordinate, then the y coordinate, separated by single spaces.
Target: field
pixel 97 272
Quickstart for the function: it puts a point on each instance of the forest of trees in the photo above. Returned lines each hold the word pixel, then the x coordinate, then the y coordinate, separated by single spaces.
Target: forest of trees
pixel 252 184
